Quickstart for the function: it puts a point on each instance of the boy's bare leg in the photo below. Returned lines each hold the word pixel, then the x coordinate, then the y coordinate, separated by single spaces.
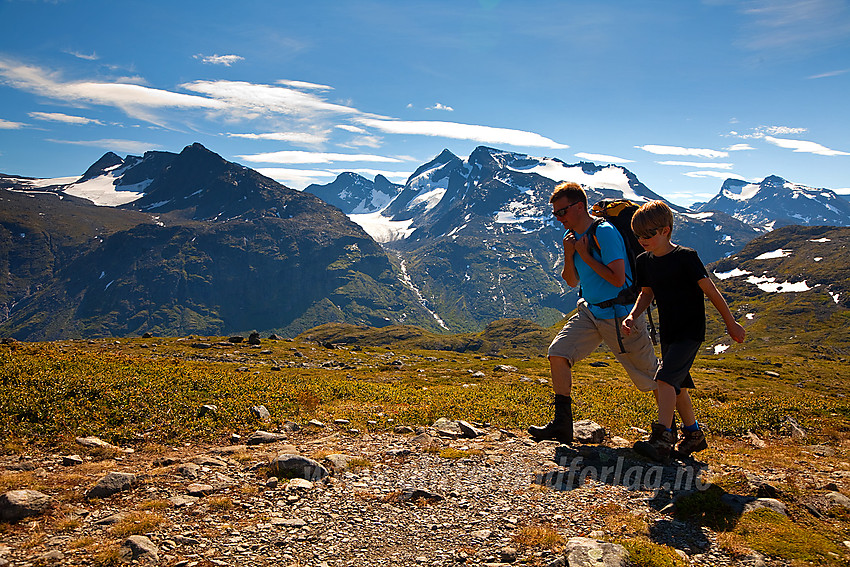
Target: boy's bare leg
pixel 685 408
pixel 666 403
pixel 562 375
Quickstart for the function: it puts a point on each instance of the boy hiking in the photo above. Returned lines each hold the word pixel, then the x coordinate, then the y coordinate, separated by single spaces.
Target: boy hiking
pixel 677 279
pixel 600 265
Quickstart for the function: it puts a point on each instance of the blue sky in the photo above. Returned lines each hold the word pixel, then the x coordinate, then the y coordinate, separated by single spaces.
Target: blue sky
pixel 683 93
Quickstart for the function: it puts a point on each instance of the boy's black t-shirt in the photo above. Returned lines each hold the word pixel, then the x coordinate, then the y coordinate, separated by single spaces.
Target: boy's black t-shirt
pixel 673 278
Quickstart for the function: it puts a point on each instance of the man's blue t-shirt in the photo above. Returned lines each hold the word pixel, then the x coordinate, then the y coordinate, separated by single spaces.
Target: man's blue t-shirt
pixel 594 288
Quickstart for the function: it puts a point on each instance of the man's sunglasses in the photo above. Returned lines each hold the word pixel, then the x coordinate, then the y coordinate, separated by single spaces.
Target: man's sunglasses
pixel 561 212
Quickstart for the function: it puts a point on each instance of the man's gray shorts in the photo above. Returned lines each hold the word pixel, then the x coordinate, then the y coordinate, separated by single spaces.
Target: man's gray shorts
pixel 584 332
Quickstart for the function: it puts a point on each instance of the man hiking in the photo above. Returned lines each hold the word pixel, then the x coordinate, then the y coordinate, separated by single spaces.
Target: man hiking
pixel 601 267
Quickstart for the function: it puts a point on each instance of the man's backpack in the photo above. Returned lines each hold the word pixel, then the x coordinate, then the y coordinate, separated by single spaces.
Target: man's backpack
pixel 619 213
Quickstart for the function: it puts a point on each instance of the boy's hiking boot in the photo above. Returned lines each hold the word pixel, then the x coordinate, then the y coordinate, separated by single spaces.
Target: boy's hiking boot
pixel 561 426
pixel 692 442
pixel 660 444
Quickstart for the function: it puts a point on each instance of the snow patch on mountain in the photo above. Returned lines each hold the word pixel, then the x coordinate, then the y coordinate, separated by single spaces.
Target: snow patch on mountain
pixel 103 192
pixel 611 177
pixel 770 285
pixel 383 229
pixel 780 253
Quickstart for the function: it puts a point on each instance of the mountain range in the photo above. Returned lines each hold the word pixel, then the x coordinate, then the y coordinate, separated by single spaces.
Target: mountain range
pixel 191 243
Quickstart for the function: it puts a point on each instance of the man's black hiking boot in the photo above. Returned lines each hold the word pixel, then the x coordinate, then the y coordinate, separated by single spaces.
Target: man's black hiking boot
pixel 660 444
pixel 561 426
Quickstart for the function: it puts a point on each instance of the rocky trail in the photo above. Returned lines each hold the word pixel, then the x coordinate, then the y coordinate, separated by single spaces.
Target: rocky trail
pixel 323 495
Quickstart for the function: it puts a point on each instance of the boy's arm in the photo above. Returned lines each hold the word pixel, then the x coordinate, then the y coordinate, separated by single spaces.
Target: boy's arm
pixel 735 330
pixel 644 298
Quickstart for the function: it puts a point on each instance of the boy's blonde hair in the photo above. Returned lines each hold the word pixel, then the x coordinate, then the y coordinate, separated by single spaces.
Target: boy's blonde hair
pixel 652 216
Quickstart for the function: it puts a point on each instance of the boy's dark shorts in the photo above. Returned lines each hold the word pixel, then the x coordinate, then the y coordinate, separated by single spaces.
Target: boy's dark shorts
pixel 676 361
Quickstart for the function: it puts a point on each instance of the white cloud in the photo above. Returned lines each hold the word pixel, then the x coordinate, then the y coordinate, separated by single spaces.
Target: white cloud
pixel 350 128
pixel 843 191
pixel 64 118
pixel 226 60
pixel 697 164
pixel 829 74
pixel 133 99
pixel 717 174
pixel 292 156
pixel 258 100
pixel 88 57
pixel 439 106
pixel 454 130
pixel 603 158
pixel 805 146
pixel 761 132
pixel 123 146
pixel 9 125
pixel 296 178
pixel 295 137
pixel 739 148
pixel 304 85
pixel 679 151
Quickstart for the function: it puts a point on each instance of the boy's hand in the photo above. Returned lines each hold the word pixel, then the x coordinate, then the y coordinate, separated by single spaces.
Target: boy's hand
pixel 736 331
pixel 626 327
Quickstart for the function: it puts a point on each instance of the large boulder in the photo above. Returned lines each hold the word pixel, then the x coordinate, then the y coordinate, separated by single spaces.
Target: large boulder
pixel 297 466
pixel 110 484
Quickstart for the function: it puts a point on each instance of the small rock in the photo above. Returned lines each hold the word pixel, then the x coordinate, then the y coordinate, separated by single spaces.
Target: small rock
pixel 260 413
pixel 296 484
pixel 297 466
pixel 261 437
pixel 272 482
pixel 53 556
pixel 586 552
pixel 71 460
pixel 505 368
pixel 755 440
pixel 112 519
pixel 254 338
pixel 96 443
pixel 16 505
pixel 208 409
pixel 587 431
pixel 468 430
pixel 139 548
pixel 793 428
pixel 110 484
pixel 769 503
pixel 236 339
pixel 197 490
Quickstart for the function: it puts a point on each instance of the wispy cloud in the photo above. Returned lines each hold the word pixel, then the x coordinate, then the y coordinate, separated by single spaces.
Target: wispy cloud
pixel 350 128
pixel 829 74
pixel 124 146
pixel 680 151
pixel 294 137
pixel 805 146
pixel 439 106
pixel 795 26
pixel 602 158
pixel 304 85
pixel 86 56
pixel 717 174
pixel 294 156
pixel 135 100
pixel 64 118
pixel 454 130
pixel 697 164
pixel 739 148
pixel 296 178
pixel 226 60
pixel 255 100
pixel 9 125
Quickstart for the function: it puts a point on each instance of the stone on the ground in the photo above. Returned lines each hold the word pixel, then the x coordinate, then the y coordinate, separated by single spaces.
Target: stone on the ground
pixel 260 413
pixel 139 548
pixel 262 437
pixel 71 460
pixel 587 431
pixel 586 552
pixel 208 409
pixel 468 430
pixel 297 466
pixel 16 505
pixel 110 484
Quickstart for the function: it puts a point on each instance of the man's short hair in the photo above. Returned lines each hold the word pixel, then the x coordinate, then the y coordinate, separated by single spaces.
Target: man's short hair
pixel 651 216
pixel 571 191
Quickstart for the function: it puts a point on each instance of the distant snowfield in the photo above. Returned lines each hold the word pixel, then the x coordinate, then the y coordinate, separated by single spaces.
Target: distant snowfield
pixel 731 274
pixel 102 191
pixel 381 228
pixel 770 285
pixel 609 178
pixel 780 253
